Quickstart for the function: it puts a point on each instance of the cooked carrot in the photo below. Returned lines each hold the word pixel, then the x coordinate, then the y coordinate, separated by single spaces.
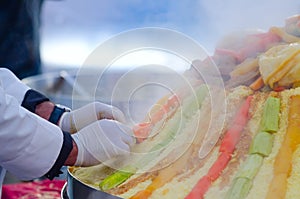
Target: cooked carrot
pixel 144 194
pixel 257 84
pixel 226 150
pixel 165 175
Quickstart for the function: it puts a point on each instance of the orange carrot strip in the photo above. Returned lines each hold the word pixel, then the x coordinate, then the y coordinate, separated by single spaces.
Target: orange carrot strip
pixel 257 84
pixel 144 194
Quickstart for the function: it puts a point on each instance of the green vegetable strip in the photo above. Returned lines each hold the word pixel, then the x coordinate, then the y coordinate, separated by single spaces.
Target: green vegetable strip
pixel 250 167
pixel 261 147
pixel 190 105
pixel 117 178
pixel 270 115
pixel 262 144
pixel 239 189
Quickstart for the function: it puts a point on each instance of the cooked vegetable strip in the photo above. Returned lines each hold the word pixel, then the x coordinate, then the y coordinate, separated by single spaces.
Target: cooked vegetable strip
pixel 284 35
pixel 262 144
pixel 279 66
pixel 227 147
pixel 173 126
pixel 270 115
pixel 250 167
pixel 261 147
pixel 164 176
pixel 232 136
pixel 257 84
pixel 240 188
pixel 142 131
pixel 263 42
pixel 250 64
pixel 245 175
pixel 282 164
pixel 118 177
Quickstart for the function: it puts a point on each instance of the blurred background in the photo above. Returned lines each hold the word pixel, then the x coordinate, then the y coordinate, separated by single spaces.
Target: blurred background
pixel 72 29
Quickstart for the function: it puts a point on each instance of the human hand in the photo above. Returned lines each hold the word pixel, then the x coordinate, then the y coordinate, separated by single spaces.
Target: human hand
pixel 77 119
pixel 101 141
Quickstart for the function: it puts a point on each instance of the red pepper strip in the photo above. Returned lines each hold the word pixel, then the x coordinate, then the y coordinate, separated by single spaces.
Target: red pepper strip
pixel 217 168
pixel 158 115
pixel 279 88
pixel 200 188
pixel 172 104
pixel 241 116
pixel 142 130
pixel 226 149
pixel 232 136
pixel 230 139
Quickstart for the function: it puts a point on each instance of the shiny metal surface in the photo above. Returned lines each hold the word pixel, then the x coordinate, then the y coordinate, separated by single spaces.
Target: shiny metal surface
pixel 63 193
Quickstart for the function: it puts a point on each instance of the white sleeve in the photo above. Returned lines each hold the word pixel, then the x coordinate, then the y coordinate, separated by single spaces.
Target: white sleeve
pixel 29 144
pixel 12 85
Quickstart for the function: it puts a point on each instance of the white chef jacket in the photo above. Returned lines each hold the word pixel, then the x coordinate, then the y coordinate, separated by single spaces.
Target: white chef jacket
pixel 29 144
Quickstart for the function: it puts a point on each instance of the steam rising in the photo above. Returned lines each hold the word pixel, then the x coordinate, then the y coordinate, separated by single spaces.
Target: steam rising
pixel 90 22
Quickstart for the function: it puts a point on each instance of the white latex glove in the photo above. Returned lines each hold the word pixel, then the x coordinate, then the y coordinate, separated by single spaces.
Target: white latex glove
pixel 77 119
pixel 101 141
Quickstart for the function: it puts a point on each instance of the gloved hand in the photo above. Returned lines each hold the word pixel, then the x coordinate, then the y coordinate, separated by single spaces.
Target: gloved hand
pixel 77 119
pixel 101 141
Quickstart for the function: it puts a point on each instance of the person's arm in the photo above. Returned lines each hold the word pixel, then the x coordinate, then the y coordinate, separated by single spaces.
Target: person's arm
pixel 12 85
pixel 72 158
pixel 30 146
pixel 39 104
